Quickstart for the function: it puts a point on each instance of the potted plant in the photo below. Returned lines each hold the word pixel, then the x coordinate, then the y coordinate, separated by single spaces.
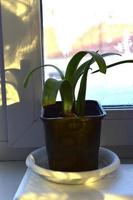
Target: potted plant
pixel 72 125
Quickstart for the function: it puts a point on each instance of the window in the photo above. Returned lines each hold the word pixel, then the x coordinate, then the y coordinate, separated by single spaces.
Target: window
pixel 21 50
pixel 70 27
pixel 21 26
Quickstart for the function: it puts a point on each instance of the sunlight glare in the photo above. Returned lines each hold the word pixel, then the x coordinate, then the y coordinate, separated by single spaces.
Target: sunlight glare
pixel 11 94
pixel 114 197
pixel 44 196
pixel 20 9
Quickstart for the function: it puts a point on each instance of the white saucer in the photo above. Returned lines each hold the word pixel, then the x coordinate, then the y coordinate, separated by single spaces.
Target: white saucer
pixel 37 162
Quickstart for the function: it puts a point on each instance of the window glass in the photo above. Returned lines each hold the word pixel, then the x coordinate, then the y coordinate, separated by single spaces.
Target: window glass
pixel 70 27
pixel 19 43
pixel 21 28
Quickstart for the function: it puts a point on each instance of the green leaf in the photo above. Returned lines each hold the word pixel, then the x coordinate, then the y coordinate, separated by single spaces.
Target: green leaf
pixel 119 63
pixel 99 60
pixel 50 90
pixel 81 68
pixel 26 81
pixel 82 92
pixel 81 96
pixel 67 96
pixel 110 54
pixel 73 74
pixel 114 64
pixel 80 71
pixel 73 64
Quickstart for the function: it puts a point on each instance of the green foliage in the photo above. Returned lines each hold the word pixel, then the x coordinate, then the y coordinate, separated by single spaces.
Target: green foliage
pixel 67 83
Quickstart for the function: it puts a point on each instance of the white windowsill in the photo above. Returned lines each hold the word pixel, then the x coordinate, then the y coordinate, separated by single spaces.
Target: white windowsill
pixel 11 174
pixel 12 180
pixel 118 185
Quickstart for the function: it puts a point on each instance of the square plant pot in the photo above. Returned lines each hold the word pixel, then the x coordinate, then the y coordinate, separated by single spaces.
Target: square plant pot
pixel 72 143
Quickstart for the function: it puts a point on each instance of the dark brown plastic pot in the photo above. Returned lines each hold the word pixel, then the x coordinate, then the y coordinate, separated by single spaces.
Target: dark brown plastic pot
pixel 73 143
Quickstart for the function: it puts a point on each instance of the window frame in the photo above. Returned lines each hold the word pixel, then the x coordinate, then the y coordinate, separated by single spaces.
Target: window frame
pixel 117 130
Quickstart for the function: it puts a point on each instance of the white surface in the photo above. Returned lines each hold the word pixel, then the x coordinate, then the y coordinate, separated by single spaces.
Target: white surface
pixel 37 161
pixel 11 174
pixel 115 186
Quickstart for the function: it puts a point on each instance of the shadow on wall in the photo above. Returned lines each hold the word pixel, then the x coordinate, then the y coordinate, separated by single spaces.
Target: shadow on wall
pixel 21 42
